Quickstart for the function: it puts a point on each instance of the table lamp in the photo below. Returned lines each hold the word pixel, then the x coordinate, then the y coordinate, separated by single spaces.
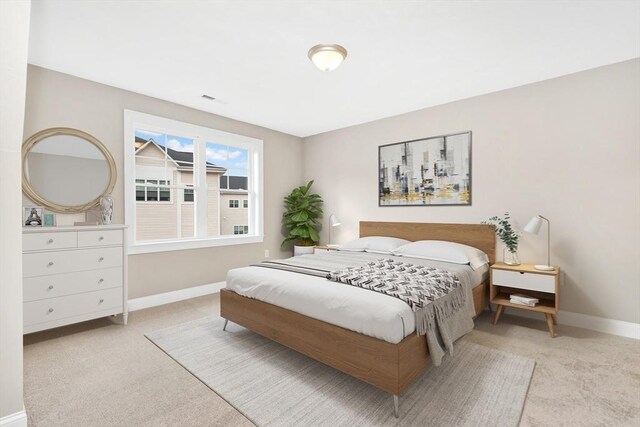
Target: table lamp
pixel 333 222
pixel 533 227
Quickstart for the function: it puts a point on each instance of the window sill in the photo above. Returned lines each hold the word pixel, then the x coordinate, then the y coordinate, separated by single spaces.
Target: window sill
pixel 178 245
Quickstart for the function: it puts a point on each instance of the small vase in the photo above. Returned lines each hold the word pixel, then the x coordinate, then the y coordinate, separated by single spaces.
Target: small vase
pixel 106 209
pixel 510 258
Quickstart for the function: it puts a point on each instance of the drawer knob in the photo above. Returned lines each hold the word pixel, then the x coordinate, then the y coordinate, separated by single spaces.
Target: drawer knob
pixel 522 272
pixel 50 310
pixel 50 241
pixel 101 280
pixel 100 259
pixel 50 287
pixel 50 263
pixel 101 301
pixel 100 239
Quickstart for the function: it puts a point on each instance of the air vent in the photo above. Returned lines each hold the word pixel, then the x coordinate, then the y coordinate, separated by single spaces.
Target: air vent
pixel 210 98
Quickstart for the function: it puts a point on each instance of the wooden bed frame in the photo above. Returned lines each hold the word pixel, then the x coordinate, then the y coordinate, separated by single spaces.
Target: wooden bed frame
pixel 390 367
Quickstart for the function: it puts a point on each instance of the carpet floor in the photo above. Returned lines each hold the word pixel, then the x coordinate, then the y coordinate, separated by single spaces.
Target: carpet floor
pixel 101 374
pixel 275 386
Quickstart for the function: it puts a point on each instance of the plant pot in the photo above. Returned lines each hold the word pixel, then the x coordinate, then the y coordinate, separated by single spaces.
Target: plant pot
pixel 302 250
pixel 510 258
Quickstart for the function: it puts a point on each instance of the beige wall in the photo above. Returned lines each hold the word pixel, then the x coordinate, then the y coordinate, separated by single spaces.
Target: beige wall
pixel 567 148
pixel 55 99
pixel 14 40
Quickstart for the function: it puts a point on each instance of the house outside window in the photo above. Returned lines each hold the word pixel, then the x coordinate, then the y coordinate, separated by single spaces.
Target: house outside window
pixel 185 183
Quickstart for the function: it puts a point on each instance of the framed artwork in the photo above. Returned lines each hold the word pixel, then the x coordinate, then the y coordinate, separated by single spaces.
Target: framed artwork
pixel 434 171
pixel 32 216
pixel 49 219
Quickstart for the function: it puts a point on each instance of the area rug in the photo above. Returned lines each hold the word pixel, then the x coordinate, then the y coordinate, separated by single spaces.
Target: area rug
pixel 275 386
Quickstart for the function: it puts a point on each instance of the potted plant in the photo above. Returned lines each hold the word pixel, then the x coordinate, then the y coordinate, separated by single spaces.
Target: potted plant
pixel 301 219
pixel 509 237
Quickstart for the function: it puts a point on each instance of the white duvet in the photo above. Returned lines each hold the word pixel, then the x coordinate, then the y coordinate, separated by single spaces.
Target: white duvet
pixel 360 310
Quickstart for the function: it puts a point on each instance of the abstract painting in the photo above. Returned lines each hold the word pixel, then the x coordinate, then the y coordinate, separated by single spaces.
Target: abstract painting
pixel 433 171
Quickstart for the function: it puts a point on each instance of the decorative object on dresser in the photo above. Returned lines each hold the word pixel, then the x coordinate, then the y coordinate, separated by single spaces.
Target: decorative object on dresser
pixel 509 282
pixel 509 237
pixel 533 227
pixel 49 219
pixel 106 209
pixel 66 170
pixel 72 275
pixel 33 216
pixel 333 222
pixel 426 172
pixel 300 219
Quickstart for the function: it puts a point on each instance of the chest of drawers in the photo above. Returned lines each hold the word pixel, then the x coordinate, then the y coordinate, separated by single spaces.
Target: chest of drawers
pixel 73 274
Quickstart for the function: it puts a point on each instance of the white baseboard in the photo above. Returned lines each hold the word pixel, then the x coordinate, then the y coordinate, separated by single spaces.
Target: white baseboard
pixel 174 296
pixel 594 323
pixel 19 419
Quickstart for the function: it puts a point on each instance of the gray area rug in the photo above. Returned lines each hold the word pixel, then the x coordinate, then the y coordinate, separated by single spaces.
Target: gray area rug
pixel 275 386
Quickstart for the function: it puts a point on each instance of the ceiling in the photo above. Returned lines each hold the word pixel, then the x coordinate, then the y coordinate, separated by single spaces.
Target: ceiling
pixel 252 55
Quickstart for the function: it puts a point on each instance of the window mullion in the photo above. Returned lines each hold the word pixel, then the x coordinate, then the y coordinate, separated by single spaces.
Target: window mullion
pixel 200 187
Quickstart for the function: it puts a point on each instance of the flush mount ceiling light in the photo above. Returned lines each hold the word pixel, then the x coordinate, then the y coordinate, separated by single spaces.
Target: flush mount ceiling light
pixel 327 57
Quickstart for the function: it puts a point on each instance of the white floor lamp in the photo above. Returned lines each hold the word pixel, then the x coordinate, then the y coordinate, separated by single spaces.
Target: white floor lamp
pixel 533 227
pixel 333 222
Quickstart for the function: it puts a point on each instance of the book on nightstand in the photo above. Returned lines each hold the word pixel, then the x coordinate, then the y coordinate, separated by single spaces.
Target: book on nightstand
pixel 523 300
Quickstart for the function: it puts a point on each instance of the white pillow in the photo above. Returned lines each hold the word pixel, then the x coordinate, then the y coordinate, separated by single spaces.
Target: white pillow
pixel 439 250
pixel 374 244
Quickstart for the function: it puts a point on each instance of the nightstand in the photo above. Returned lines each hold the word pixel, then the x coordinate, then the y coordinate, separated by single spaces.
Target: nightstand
pixel 525 279
pixel 323 249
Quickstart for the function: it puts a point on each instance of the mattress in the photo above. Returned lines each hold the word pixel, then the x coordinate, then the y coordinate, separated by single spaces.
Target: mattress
pixel 360 310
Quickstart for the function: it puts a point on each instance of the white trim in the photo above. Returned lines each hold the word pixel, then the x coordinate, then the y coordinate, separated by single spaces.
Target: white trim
pixel 174 296
pixel 19 419
pixel 178 245
pixel 594 323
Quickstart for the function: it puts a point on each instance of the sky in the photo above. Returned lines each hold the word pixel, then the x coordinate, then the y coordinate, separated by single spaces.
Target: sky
pixel 234 159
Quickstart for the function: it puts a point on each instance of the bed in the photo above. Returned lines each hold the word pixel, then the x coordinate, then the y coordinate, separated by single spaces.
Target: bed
pixel 388 358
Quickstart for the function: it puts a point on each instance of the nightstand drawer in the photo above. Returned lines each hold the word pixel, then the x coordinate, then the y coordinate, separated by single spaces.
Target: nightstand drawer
pixel 524 280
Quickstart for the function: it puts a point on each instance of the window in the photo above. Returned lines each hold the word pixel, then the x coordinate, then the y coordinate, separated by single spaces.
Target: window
pixel 184 184
pixel 188 194
pixel 147 193
pixel 240 229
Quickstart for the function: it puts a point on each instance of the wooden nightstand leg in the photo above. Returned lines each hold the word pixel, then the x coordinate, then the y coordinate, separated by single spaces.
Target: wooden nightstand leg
pixel 553 316
pixel 498 313
pixel 552 329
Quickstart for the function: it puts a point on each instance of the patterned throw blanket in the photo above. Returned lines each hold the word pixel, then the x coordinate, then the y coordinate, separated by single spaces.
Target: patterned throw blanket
pixel 433 294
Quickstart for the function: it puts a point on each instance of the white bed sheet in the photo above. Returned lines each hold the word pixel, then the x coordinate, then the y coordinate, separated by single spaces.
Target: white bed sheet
pixel 360 310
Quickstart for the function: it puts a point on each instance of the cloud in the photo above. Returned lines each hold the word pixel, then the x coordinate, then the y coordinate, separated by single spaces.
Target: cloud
pixel 148 133
pixel 221 154
pixel 174 144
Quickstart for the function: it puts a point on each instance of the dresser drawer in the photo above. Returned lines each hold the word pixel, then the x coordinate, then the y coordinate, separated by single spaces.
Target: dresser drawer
pixel 45 263
pixel 524 280
pixel 99 238
pixel 73 305
pixel 45 241
pixel 57 285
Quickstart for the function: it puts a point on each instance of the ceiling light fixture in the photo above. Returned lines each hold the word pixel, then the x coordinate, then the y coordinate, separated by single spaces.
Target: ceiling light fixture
pixel 327 57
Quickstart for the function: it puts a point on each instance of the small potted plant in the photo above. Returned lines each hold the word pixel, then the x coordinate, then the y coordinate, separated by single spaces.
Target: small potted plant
pixel 300 219
pixel 509 237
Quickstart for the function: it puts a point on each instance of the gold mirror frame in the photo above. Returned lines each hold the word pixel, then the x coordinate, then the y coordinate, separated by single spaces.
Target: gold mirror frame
pixel 35 197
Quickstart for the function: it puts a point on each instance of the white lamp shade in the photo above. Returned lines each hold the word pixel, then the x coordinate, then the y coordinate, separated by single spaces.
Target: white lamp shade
pixel 533 226
pixel 334 221
pixel 327 57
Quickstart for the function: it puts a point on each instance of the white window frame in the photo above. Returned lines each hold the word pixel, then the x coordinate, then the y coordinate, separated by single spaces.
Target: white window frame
pixel 201 135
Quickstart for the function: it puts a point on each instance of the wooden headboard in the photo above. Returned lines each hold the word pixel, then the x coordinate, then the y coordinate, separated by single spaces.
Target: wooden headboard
pixel 479 236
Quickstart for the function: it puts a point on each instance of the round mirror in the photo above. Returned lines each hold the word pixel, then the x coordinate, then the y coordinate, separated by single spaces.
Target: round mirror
pixel 66 170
